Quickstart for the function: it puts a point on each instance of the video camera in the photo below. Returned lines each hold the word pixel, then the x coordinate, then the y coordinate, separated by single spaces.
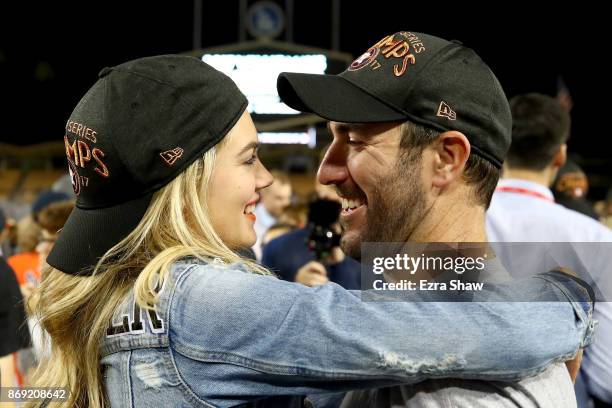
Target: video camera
pixel 322 215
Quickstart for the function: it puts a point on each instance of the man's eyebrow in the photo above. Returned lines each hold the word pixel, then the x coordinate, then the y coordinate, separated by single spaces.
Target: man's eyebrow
pixel 250 146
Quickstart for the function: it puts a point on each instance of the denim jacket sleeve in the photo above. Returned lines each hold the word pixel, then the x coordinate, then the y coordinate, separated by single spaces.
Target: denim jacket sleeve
pixel 235 334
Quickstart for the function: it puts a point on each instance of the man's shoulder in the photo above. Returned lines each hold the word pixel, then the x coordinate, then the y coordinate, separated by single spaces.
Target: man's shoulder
pixel 581 227
pixel 586 222
pixel 548 216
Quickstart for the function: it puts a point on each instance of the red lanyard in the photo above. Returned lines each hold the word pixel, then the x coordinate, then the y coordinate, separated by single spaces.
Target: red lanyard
pixel 525 191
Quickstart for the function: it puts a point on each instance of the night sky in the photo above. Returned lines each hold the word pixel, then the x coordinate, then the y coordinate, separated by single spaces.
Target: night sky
pixel 51 53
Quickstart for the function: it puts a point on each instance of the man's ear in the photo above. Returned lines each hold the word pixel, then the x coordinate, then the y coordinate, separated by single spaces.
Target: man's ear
pixel 560 157
pixel 451 153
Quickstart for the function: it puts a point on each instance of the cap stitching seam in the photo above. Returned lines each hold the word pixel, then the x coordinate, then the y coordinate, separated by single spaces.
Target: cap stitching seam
pixel 104 113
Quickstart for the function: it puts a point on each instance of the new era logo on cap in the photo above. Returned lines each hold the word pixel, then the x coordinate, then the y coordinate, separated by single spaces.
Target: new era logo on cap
pixel 445 111
pixel 171 156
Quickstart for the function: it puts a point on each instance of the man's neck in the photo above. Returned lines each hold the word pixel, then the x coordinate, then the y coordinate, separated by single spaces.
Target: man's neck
pixel 544 177
pixel 452 221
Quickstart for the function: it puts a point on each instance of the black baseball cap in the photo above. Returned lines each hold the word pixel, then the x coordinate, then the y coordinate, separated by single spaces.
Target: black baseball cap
pixel 412 76
pixel 139 126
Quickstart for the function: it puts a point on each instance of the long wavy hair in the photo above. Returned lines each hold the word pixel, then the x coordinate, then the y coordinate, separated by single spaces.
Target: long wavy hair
pixel 75 311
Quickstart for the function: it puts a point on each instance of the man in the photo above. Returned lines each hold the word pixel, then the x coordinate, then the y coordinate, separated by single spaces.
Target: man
pixel 274 200
pixel 420 127
pixel 523 210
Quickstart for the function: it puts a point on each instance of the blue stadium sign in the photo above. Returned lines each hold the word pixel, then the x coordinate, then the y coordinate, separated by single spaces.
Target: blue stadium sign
pixel 265 19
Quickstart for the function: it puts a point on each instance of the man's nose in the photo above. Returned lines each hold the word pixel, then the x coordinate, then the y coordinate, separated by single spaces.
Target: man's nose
pixel 333 167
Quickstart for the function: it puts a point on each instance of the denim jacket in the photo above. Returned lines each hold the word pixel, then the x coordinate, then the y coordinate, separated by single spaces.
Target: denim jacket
pixel 221 336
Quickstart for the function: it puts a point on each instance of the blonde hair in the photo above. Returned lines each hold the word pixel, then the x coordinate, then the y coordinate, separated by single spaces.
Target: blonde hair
pixel 75 311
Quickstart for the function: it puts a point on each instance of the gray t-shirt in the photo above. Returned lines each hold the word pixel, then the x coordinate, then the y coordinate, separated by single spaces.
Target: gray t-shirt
pixel 552 388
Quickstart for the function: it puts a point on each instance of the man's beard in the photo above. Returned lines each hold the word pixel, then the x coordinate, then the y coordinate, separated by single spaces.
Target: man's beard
pixel 395 207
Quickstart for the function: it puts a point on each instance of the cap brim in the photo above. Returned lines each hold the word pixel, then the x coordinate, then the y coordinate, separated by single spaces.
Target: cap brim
pixel 88 234
pixel 334 98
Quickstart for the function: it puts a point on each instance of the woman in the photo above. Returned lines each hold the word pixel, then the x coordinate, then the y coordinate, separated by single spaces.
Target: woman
pixel 148 303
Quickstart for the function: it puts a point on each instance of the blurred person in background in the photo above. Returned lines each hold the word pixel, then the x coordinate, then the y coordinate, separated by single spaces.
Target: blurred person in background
pixel 49 213
pixel 51 220
pixel 296 214
pixel 273 201
pixel 607 213
pixel 293 217
pixel 26 261
pixel 275 231
pixel 294 258
pixel 604 209
pixel 6 227
pixel 63 185
pixel 14 335
pixel 570 189
pixel 523 209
